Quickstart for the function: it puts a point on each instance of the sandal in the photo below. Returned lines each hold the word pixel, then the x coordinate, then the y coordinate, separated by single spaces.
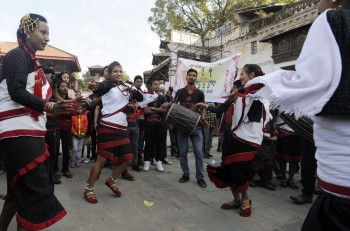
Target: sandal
pixel 113 187
pixel 284 183
pixel 231 205
pixel 90 195
pixel 291 185
pixel 67 174
pixel 246 210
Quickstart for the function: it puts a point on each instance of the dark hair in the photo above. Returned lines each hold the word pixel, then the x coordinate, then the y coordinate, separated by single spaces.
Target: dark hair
pixel 171 89
pixel 112 65
pixel 237 83
pixel 62 73
pixel 137 77
pixel 48 70
pixel 155 79
pixel 253 68
pixel 21 36
pixel 192 70
pixel 60 82
pixel 20 33
pixel 129 82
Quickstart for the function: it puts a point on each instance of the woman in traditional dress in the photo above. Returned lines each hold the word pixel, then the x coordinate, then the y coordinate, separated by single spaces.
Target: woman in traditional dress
pixel 241 146
pixel 112 135
pixel 24 94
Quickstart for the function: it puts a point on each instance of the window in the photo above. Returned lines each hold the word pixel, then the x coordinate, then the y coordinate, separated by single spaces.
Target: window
pixel 254 47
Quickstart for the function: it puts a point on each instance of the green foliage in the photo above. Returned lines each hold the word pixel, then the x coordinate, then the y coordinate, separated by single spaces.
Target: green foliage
pixel 87 78
pixel 198 17
pixel 125 77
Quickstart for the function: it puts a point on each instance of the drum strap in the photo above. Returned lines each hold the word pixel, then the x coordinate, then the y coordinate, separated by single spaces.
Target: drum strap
pixel 113 113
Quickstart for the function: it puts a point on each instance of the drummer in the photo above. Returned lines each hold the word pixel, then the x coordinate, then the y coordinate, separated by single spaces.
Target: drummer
pixel 188 97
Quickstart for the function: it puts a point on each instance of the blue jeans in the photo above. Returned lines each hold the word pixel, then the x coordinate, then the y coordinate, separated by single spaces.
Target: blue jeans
pixel 197 141
pixel 134 140
pixel 77 147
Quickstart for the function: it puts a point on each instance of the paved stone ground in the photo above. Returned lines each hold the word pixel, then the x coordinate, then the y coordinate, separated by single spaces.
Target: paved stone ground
pixel 177 207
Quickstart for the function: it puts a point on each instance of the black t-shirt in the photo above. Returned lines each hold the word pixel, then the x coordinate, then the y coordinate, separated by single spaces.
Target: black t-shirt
pixel 156 119
pixel 189 100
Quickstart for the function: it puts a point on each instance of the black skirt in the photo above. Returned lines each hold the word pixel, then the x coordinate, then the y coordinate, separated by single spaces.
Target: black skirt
pixel 30 182
pixel 328 212
pixel 288 147
pixel 236 168
pixel 114 144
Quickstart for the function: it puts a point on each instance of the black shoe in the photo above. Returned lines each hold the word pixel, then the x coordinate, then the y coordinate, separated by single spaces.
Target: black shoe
pixel 184 179
pixel 136 168
pixel 166 162
pixel 206 157
pixel 302 199
pixel 202 183
pixel 209 155
pixel 56 181
pixel 127 176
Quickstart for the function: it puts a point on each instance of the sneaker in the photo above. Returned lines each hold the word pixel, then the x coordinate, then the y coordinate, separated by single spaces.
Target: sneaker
pixel 77 164
pixel 86 161
pixel 160 166
pixel 146 166
pixel 72 164
pixel 166 161
pixel 184 179
pixel 201 183
pixel 127 176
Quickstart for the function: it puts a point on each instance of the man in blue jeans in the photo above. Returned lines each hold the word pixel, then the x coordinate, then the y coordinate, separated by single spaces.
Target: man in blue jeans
pixel 188 97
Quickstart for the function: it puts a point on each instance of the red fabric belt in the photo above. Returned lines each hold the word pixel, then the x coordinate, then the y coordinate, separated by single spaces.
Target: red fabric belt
pixel 342 190
pixel 239 157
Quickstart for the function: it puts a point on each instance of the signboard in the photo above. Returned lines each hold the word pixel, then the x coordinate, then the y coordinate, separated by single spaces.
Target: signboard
pixel 214 79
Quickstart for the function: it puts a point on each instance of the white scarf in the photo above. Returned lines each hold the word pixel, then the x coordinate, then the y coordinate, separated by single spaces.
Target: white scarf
pixel 318 72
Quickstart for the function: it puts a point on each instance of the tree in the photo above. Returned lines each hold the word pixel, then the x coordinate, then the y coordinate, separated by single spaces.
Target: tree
pixel 87 78
pixel 198 17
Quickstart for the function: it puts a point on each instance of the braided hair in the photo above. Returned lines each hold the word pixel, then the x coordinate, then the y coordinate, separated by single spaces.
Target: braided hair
pixel 253 68
pixel 27 24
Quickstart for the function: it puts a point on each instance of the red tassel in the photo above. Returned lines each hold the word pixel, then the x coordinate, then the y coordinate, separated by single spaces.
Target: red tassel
pixel 39 79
